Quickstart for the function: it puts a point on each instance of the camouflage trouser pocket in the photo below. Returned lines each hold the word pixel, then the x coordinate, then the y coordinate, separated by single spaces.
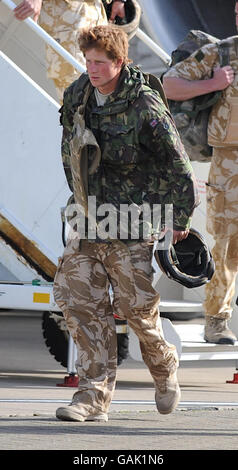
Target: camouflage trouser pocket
pixel 60 287
pixel 146 299
pixel 232 122
pixel 215 209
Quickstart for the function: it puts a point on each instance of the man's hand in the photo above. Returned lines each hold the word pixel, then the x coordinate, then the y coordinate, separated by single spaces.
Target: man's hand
pixel 179 235
pixel 223 77
pixel 118 9
pixel 28 8
pixel 180 89
pixel 173 236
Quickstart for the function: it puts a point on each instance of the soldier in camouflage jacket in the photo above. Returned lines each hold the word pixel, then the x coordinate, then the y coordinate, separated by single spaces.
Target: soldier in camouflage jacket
pixel 200 74
pixel 142 158
pixel 119 147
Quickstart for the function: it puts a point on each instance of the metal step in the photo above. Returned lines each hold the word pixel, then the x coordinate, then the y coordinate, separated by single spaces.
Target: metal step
pixel 190 344
pixel 194 347
pixel 180 306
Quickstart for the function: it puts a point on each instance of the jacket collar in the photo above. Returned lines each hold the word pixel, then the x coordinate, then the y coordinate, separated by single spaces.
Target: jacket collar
pixel 128 89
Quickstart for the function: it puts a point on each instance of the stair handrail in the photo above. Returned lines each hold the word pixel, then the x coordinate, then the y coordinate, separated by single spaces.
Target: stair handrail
pixel 68 57
pixel 47 38
pixel 154 46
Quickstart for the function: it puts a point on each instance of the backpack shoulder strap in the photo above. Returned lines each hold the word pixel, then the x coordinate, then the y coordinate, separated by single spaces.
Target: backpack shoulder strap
pixel 224 53
pixel 78 87
pixel 155 83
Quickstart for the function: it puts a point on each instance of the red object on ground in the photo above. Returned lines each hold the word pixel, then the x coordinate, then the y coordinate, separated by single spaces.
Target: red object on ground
pixel 70 381
pixel 234 381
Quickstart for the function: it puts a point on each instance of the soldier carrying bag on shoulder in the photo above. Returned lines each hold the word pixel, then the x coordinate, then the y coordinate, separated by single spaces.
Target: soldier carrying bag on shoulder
pixel 191 116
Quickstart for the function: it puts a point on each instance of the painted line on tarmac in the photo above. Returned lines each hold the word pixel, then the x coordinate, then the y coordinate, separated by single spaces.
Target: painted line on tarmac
pixel 182 404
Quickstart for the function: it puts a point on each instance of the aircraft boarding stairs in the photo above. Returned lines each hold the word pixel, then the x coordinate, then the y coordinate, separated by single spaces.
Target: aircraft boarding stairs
pixel 33 190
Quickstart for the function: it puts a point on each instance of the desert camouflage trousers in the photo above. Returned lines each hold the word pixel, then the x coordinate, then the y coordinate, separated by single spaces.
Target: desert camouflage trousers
pixel 221 289
pixel 81 290
pixel 222 223
pixel 63 21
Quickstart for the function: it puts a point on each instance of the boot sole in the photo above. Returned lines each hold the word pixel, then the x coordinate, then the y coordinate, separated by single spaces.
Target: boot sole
pixel 69 415
pixel 221 341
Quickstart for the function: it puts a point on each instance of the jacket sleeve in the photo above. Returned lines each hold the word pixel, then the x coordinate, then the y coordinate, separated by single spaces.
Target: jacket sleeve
pixel 173 179
pixel 66 120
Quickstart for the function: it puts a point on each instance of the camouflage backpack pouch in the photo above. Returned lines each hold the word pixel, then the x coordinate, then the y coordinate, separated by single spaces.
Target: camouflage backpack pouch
pixel 191 116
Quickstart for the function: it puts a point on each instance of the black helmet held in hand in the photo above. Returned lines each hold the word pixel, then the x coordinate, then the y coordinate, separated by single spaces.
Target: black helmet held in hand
pixel 188 262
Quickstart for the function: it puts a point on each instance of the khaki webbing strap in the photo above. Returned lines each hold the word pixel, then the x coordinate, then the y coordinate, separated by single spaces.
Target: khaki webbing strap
pixel 224 53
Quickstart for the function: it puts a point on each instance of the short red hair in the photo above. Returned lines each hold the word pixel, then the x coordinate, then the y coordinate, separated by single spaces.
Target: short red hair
pixel 110 39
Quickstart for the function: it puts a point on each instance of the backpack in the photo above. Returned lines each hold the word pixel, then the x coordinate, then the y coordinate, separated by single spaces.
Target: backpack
pixel 156 84
pixel 191 116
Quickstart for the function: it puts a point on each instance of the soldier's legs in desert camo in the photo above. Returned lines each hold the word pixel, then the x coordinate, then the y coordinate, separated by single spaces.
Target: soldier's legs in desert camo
pixel 63 21
pixel 220 291
pixel 137 301
pixel 222 223
pixel 81 291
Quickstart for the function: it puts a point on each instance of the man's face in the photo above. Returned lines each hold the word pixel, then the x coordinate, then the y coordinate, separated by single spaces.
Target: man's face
pixel 102 71
pixel 236 13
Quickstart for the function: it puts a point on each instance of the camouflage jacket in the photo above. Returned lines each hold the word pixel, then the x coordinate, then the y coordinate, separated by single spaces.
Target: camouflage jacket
pixel 223 121
pixel 142 157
